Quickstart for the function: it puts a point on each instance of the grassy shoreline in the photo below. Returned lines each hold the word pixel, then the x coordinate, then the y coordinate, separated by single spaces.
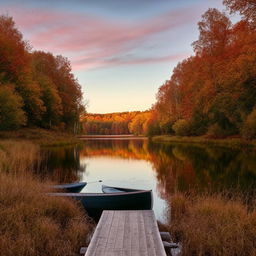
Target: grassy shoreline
pixel 213 225
pixel 228 142
pixel 40 225
pixel 41 137
pixel 33 222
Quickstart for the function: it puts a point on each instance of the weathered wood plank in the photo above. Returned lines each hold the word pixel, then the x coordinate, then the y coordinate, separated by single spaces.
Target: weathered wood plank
pixel 119 243
pixel 157 241
pixel 100 237
pixel 126 233
pixel 142 238
pixel 149 226
pixel 134 233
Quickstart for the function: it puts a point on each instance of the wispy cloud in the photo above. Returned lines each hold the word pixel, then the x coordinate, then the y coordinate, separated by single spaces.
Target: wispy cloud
pixel 91 41
pixel 86 63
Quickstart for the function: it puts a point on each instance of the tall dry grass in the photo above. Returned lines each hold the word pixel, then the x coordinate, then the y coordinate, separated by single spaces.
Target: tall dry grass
pixel 31 222
pixel 213 225
pixel 18 156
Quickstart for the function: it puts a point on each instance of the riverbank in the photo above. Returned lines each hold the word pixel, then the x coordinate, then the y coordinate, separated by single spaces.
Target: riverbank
pixel 228 142
pixel 33 223
pixel 112 137
pixel 41 137
pixel 213 224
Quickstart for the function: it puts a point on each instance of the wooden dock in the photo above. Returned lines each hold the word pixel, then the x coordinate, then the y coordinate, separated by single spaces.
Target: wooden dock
pixel 126 233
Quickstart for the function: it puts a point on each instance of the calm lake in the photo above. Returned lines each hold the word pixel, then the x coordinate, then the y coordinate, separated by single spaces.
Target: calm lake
pixel 164 168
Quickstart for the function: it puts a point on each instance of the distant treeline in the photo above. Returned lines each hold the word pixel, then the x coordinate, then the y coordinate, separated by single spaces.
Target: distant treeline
pixel 214 91
pixel 135 122
pixel 36 88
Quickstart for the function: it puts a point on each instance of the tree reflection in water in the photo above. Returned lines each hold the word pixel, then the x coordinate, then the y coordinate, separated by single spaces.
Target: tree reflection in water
pixel 178 167
pixel 182 167
pixel 61 164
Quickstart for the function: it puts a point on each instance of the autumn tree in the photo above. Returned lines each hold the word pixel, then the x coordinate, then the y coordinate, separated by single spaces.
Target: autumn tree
pixel 214 91
pixel 135 122
pixel 43 67
pixel 214 33
pixel 249 126
pixel 43 84
pixel 247 8
pixel 11 114
pixel 14 61
pixel 168 105
pixel 15 68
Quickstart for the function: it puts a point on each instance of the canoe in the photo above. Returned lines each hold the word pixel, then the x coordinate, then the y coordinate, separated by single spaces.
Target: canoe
pixel 108 189
pixel 71 187
pixel 95 203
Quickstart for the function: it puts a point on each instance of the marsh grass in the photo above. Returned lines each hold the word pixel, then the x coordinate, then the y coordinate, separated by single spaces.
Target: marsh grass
pixel 229 142
pixel 31 222
pixel 213 225
pixel 18 156
pixel 41 137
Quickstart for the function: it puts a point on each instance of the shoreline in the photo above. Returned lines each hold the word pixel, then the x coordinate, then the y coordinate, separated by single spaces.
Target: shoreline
pixel 228 142
pixel 110 137
pixel 51 138
pixel 42 137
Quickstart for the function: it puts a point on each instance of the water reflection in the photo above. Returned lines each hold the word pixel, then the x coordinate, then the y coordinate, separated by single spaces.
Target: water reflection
pixel 161 167
pixel 183 167
pixel 61 164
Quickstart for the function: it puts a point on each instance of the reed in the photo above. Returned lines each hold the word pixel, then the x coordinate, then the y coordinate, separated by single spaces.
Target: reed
pixel 33 223
pixel 228 142
pixel 41 137
pixel 18 156
pixel 213 225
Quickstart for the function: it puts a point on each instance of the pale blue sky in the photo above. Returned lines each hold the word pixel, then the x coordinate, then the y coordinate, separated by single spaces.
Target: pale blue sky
pixel 121 51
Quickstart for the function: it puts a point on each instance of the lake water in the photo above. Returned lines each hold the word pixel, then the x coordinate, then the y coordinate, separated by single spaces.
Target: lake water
pixel 164 168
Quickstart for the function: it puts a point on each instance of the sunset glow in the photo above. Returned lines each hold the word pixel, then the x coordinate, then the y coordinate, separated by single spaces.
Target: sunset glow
pixel 121 52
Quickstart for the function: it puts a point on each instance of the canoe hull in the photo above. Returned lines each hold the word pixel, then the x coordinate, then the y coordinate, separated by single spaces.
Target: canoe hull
pixel 71 187
pixel 108 189
pixel 94 204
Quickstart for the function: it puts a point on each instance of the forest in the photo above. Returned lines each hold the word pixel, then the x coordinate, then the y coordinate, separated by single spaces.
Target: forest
pixel 135 122
pixel 214 91
pixel 37 89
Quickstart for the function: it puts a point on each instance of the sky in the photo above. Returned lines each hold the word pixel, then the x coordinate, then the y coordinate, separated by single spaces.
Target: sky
pixel 121 51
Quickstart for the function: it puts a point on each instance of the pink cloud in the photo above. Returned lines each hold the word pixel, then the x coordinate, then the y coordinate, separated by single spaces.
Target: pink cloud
pixel 90 41
pixel 89 64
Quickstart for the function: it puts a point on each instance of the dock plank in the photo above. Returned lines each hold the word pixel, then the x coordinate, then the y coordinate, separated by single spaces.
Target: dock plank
pixel 142 239
pixel 101 234
pixel 127 236
pixel 126 233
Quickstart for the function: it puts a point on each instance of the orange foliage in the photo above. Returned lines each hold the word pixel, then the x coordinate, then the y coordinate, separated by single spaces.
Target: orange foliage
pixel 217 86
pixel 50 95
pixel 136 122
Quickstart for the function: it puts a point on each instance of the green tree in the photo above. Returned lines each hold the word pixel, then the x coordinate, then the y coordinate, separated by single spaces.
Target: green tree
pixel 181 127
pixel 11 114
pixel 61 92
pixel 249 127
